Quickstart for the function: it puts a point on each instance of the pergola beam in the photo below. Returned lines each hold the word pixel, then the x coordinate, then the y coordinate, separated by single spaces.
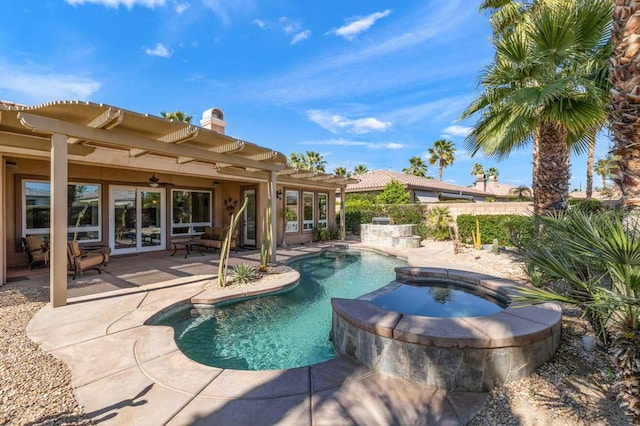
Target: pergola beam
pixel 126 140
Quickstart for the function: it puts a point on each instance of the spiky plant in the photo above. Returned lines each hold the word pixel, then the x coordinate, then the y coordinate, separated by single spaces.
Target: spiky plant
pixel 244 273
pixel 592 260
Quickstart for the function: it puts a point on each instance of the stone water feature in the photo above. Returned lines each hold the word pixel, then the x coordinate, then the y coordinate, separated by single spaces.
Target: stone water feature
pixel 382 233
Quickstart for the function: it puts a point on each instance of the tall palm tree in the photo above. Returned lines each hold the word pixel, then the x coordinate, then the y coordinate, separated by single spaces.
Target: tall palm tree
pixel 441 153
pixel 177 116
pixel 540 89
pixel 360 169
pixel 417 167
pixel 492 171
pixel 477 169
pixel 624 106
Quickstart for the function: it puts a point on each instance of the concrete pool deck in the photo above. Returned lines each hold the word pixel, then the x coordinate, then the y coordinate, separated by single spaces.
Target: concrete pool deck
pixel 126 372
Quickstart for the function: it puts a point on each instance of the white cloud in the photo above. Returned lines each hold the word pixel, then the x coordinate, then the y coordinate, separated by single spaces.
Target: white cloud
pixel 301 36
pixel 259 23
pixel 462 131
pixel 225 9
pixel 359 25
pixel 35 87
pixel 160 50
pixel 369 145
pixel 182 7
pixel 116 3
pixel 336 123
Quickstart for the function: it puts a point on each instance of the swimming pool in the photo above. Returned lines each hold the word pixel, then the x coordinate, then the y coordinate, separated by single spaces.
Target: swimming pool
pixel 286 330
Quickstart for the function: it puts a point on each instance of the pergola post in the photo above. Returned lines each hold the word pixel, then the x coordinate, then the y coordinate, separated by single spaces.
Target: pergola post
pixel 3 220
pixel 343 228
pixel 273 183
pixel 58 238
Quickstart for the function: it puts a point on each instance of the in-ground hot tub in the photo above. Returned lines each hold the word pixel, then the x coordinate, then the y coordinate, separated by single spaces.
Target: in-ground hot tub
pixel 466 353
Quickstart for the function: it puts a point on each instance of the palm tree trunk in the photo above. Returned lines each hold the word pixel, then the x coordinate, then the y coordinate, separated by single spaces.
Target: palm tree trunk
pixel 551 189
pixel 590 156
pixel 440 172
pixel 624 107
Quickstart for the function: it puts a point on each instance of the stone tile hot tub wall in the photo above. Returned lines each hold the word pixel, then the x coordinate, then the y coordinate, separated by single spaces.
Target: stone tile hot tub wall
pixel 464 354
pixel 401 236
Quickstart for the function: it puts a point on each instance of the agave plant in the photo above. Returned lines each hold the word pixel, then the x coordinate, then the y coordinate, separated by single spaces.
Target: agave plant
pixel 245 273
pixel 592 260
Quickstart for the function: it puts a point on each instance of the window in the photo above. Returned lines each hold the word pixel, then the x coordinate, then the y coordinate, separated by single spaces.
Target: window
pixel 291 211
pixel 190 211
pixel 323 210
pixel 308 211
pixel 83 214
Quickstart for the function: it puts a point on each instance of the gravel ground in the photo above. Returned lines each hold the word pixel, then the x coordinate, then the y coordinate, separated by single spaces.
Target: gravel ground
pixel 35 387
pixel 574 388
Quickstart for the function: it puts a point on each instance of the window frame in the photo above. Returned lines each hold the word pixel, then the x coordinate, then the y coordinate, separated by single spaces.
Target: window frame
pixel 70 229
pixel 323 223
pixel 308 224
pixel 190 225
pixel 292 226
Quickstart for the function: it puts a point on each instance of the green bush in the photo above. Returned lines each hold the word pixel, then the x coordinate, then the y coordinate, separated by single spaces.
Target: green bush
pixel 400 214
pixel 505 228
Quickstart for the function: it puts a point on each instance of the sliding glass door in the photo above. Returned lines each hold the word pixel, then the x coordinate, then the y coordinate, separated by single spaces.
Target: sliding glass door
pixel 136 219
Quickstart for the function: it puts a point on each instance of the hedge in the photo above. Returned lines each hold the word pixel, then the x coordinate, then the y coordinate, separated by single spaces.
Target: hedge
pixel 400 214
pixel 503 227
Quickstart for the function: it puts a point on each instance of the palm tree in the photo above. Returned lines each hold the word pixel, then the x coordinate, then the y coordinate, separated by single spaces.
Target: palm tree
pixel 417 167
pixel 624 106
pixel 341 171
pixel 315 160
pixel 521 192
pixel 540 89
pixel 441 153
pixel 177 116
pixel 603 168
pixel 360 169
pixel 477 169
pixel 493 172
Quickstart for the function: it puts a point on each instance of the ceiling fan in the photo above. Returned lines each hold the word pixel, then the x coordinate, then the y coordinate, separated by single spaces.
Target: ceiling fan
pixel 154 181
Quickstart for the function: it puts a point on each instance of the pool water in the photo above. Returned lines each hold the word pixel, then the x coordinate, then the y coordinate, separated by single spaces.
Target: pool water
pixel 438 299
pixel 286 330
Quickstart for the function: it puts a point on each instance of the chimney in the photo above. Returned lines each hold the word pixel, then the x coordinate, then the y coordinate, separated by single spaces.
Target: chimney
pixel 481 182
pixel 493 184
pixel 213 119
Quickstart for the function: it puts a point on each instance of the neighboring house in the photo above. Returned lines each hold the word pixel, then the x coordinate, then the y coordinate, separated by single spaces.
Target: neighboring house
pixel 421 190
pixel 107 176
pixel 499 191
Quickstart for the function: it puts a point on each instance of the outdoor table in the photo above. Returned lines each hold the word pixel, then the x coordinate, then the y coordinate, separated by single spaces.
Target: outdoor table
pixel 188 247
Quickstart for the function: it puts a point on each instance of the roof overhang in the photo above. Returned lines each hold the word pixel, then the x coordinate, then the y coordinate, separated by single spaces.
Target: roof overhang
pixel 95 128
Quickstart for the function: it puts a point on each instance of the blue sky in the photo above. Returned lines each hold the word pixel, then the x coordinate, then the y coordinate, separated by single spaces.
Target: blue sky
pixel 371 82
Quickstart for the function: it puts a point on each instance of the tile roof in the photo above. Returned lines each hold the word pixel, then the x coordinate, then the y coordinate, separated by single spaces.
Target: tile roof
pixel 376 180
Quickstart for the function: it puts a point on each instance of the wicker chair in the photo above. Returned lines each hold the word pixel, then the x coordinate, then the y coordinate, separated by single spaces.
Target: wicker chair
pixel 36 249
pixel 80 261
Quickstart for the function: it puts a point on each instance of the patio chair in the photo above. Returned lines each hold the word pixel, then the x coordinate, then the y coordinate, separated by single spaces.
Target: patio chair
pixel 80 261
pixel 36 250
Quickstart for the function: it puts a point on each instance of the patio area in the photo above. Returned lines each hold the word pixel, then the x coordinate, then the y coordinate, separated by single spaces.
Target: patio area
pixel 125 372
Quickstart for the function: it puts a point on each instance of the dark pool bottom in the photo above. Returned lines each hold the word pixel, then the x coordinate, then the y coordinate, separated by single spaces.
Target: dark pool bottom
pixel 456 353
pixel 440 299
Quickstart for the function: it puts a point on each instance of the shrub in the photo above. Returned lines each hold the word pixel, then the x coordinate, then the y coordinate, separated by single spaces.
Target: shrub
pixel 507 229
pixel 245 273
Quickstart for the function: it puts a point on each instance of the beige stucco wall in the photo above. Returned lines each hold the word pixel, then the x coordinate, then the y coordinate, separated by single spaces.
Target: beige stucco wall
pixel 33 169
pixel 456 209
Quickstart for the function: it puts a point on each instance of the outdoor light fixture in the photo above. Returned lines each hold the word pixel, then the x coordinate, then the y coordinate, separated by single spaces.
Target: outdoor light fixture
pixel 216 183
pixel 279 194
